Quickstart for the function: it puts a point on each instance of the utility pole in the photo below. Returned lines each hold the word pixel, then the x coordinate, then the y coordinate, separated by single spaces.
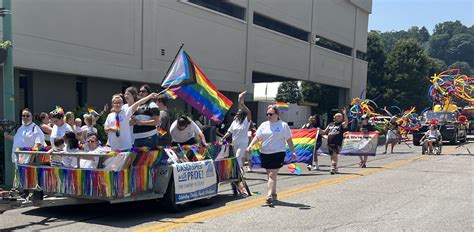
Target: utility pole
pixel 8 89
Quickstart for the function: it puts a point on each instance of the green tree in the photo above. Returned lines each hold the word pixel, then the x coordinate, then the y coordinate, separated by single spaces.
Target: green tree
pixel 376 59
pixel 423 35
pixel 288 92
pixel 436 66
pixel 463 66
pixel 451 42
pixel 407 77
pixel 392 37
pixel 326 96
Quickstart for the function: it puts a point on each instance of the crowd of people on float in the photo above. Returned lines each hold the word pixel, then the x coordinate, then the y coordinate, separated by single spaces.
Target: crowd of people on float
pixel 137 118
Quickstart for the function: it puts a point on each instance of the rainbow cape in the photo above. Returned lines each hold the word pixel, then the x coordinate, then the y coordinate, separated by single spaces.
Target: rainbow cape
pixel 304 141
pixel 201 94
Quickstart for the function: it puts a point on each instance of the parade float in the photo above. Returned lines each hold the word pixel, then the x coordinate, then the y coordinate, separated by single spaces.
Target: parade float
pixel 174 175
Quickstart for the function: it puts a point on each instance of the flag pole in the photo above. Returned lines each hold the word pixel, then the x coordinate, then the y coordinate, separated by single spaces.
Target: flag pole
pixel 169 68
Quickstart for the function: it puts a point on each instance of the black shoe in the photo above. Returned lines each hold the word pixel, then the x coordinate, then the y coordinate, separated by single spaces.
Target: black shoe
pixel 269 202
pixel 275 197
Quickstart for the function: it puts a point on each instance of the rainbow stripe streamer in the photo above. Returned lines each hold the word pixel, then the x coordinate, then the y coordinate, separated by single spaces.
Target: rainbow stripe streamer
pixel 282 106
pixel 92 183
pixel 304 141
pixel 137 176
pixel 227 169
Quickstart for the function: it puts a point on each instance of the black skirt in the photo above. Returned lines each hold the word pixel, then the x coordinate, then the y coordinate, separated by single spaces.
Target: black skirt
pixel 272 160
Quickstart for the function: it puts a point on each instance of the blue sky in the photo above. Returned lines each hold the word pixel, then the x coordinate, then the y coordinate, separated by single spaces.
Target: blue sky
pixel 389 15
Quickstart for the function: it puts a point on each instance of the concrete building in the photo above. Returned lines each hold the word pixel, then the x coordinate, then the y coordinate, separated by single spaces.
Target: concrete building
pixel 81 51
pixel 77 52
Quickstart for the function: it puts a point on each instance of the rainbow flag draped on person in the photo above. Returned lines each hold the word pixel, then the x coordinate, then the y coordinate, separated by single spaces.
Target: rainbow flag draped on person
pixel 304 141
pixel 187 81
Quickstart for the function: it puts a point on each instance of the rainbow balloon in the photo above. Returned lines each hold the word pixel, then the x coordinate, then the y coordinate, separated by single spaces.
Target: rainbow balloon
pixel 449 85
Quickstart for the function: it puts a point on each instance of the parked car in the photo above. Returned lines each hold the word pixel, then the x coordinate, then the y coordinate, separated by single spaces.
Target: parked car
pixel 451 128
pixel 468 111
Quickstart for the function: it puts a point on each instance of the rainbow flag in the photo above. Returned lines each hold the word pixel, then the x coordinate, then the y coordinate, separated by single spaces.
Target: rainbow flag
pixel 304 141
pixel 202 95
pixel 162 132
pixel 92 112
pixel 170 94
pixel 282 106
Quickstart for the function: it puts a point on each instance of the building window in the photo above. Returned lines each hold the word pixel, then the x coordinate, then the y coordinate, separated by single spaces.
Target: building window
pixel 361 55
pixel 81 91
pixel 25 89
pixel 335 46
pixel 264 21
pixel 222 6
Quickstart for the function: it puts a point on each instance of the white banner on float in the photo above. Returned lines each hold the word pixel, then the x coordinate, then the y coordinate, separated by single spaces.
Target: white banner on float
pixel 194 180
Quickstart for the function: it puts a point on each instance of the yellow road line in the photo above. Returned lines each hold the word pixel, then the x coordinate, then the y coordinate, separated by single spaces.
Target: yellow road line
pixel 257 201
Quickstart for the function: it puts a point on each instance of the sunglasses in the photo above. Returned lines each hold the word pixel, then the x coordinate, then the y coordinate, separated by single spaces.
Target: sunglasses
pixel 26 115
pixel 270 114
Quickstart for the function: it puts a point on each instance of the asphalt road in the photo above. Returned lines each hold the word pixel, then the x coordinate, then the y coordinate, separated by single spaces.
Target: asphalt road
pixel 401 191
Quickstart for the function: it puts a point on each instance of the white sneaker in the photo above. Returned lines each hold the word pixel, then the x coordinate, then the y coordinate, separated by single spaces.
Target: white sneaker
pixel 315 167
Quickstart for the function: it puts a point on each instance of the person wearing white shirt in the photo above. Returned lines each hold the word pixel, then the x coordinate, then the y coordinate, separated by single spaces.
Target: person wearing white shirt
pixel 72 146
pixel 131 96
pixel 28 135
pixel 60 127
pixel 117 124
pixel 274 135
pixel 94 148
pixel 184 131
pixel 77 128
pixel 239 130
pixel 87 129
pixel 431 136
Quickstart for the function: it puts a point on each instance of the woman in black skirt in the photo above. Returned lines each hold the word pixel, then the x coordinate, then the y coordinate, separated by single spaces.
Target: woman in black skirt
pixel 274 134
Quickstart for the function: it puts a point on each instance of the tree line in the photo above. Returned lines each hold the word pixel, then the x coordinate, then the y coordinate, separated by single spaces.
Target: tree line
pixel 400 64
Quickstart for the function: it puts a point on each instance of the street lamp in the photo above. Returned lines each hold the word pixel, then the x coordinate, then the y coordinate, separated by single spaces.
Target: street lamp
pixel 8 89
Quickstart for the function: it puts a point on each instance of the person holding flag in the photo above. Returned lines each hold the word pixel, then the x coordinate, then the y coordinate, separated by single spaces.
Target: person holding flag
pixel 117 124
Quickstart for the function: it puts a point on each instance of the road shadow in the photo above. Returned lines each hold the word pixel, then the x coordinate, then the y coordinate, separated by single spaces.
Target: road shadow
pixel 123 215
pixel 461 154
pixel 292 205
pixel 302 174
pixel 349 174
